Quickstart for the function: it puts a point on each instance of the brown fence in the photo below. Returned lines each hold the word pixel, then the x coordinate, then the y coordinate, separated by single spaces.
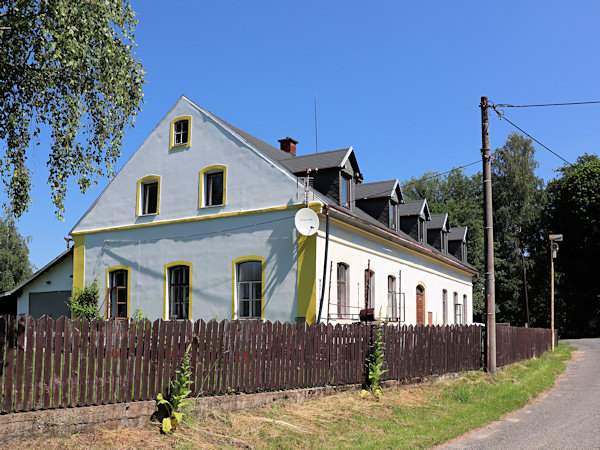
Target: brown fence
pixel 517 344
pixel 64 363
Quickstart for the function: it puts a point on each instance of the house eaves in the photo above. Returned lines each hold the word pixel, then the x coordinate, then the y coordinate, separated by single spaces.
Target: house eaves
pixel 346 216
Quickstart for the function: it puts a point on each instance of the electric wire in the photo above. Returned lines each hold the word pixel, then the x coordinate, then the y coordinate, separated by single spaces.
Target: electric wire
pixel 508 105
pixel 502 116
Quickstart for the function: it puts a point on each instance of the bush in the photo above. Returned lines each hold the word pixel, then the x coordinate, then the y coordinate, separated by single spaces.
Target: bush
pixel 84 302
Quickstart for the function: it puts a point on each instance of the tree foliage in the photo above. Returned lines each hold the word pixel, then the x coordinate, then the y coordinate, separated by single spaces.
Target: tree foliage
pixel 14 256
pixel 460 196
pixel 573 210
pixel 65 66
pixel 518 199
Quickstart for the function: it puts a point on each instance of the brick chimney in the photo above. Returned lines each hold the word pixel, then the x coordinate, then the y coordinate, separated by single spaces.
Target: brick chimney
pixel 288 145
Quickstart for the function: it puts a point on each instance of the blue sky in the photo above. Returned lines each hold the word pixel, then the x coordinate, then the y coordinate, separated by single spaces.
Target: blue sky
pixel 399 81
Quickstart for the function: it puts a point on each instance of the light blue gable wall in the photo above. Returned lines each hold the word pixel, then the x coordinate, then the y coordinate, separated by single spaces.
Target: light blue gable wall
pixel 252 181
pixel 210 246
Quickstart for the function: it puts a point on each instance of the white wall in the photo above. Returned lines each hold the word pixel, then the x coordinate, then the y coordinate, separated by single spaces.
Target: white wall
pixel 356 250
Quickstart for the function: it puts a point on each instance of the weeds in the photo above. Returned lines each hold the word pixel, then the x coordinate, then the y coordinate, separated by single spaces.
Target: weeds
pixel 178 391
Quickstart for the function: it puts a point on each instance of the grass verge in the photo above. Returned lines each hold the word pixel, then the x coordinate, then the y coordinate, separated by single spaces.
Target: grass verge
pixel 412 416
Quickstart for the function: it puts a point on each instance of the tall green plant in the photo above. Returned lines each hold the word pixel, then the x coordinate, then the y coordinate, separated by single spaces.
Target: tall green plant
pixel 375 364
pixel 178 391
pixel 84 302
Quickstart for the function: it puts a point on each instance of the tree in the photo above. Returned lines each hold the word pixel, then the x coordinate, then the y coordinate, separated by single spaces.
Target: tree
pixel 573 210
pixel 460 196
pixel 14 256
pixel 518 198
pixel 65 66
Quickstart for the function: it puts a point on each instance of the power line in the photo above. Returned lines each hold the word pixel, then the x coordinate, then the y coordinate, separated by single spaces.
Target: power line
pixel 507 105
pixel 502 116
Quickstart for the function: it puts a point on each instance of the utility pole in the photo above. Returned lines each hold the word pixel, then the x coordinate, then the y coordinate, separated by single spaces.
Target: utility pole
pixel 489 239
pixel 554 238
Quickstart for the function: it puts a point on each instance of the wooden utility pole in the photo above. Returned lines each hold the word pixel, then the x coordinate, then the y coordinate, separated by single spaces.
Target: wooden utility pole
pixel 490 293
pixel 554 238
pixel 552 289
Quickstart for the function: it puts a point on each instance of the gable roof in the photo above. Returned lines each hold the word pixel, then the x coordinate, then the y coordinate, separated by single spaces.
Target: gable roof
pixel 458 234
pixel 377 189
pixel 415 208
pixel 438 221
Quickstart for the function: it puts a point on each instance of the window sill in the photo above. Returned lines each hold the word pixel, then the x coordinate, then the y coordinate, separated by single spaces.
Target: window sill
pixel 179 147
pixel 249 319
pixel 212 206
pixel 148 215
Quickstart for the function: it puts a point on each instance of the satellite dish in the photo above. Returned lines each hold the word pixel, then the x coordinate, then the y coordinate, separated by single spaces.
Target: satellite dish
pixel 307 222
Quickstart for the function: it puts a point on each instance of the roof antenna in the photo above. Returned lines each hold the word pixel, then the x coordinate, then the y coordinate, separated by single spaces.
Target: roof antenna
pixel 316 140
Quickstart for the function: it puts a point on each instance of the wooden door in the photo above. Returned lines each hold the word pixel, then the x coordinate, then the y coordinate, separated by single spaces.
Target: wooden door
pixel 420 305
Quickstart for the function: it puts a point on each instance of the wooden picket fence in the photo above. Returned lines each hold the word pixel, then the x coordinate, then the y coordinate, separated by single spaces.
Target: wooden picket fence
pixel 65 363
pixel 515 344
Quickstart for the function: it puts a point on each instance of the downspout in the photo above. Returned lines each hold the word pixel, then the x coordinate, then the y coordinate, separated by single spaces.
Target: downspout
pixel 324 262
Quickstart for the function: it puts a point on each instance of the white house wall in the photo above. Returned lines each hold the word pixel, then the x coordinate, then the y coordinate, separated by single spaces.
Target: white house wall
pixel 355 249
pixel 210 246
pixel 57 278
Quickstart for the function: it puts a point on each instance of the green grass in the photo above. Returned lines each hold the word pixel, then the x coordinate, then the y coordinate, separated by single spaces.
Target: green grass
pixel 412 416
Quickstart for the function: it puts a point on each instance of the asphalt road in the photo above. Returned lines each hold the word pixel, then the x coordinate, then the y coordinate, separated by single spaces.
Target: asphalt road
pixel 568 416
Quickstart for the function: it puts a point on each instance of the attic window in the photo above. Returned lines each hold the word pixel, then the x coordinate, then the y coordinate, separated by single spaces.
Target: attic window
pixel 393 216
pixel 148 194
pixel 345 192
pixel 181 132
pixel 213 186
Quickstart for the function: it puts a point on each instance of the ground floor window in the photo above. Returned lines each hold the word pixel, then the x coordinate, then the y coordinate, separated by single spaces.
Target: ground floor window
pixel 458 311
pixel 118 293
pixel 179 291
pixel 392 303
pixel 342 289
pixel 249 289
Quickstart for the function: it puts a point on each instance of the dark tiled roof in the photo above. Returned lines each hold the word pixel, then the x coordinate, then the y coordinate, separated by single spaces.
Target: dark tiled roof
pixel 437 221
pixel 259 144
pixel 375 190
pixel 333 158
pixel 412 208
pixel 457 234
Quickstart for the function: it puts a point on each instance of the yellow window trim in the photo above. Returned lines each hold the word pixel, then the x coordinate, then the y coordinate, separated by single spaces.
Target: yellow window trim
pixel 106 300
pixel 172 146
pixel 234 263
pixel 166 285
pixel 141 181
pixel 208 170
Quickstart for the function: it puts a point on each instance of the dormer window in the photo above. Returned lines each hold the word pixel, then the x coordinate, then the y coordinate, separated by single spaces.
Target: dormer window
pixel 393 216
pixel 181 132
pixel 421 230
pixel 345 192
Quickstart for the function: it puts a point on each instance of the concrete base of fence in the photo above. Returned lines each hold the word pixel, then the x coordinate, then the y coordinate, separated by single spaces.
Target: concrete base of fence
pixel 125 415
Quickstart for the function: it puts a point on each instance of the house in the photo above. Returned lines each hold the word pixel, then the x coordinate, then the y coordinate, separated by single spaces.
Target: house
pixel 199 223
pixel 47 291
